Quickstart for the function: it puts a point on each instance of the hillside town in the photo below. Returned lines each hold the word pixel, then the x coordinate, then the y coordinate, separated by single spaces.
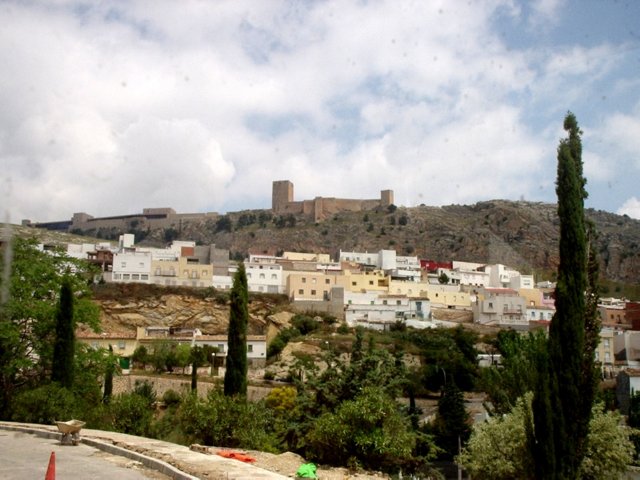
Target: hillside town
pixel 374 290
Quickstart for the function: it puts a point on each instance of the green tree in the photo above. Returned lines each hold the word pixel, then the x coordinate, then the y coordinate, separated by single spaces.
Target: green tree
pixel 223 421
pixel 31 278
pixel 235 377
pixel 443 279
pixel 452 425
pixel 514 377
pixel 564 396
pixel 140 356
pixel 198 357
pixel 108 377
pixel 369 430
pixel 498 448
pixel 62 369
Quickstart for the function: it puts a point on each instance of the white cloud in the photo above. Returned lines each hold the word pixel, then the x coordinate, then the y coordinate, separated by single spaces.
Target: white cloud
pixel 630 207
pixel 110 107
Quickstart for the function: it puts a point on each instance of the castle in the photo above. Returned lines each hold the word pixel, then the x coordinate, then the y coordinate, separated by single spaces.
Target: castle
pixel 281 203
pixel 321 207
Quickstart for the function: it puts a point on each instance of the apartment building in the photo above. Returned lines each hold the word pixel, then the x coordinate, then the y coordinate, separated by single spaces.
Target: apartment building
pixel 501 307
pixel 132 266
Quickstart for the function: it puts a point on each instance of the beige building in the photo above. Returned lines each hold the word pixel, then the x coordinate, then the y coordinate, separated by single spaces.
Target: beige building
pixel 501 307
pixel 313 286
pixel 123 344
pixel 181 271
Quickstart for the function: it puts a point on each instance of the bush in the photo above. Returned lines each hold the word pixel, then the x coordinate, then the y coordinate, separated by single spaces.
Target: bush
pixel 132 414
pixel 44 405
pixel 226 422
pixel 305 324
pixel 343 329
pixel 171 398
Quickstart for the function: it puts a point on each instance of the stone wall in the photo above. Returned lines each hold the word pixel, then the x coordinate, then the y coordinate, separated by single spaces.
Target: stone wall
pixel 126 383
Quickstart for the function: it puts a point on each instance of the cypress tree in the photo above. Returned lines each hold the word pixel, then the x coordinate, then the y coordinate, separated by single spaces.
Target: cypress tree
pixel 64 345
pixel 108 378
pixel 235 377
pixel 568 373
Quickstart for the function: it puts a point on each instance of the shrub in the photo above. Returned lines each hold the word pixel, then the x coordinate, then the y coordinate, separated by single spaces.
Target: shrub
pixel 44 405
pixel 132 414
pixel 171 398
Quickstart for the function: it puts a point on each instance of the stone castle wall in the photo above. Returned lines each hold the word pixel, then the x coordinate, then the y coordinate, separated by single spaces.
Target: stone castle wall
pixel 321 207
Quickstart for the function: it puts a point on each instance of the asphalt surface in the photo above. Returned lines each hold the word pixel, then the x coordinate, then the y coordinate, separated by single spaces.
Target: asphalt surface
pixel 26 456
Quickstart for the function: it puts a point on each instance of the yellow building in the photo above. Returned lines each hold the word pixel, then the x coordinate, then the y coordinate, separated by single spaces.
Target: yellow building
pixel 307 257
pixel 532 296
pixel 122 343
pixel 440 296
pixel 367 281
pixel 181 271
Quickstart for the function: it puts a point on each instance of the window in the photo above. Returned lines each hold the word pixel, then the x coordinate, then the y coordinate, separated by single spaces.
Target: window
pixel 353 284
pixel 274 276
pixel 123 265
pixel 221 347
pixel 304 280
pixel 327 281
pixel 384 302
pixel 249 348
pixel 135 276
pixel 301 292
pixel 490 303
pixel 370 282
pixel 262 276
pixel 141 264
pixel 313 292
pixel 125 276
pixel 121 344
pixel 313 280
pixel 397 302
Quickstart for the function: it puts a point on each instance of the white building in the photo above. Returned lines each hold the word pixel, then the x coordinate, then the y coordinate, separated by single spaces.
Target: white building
pixel 264 277
pixel 537 313
pixel 500 275
pixel 371 310
pixel 131 267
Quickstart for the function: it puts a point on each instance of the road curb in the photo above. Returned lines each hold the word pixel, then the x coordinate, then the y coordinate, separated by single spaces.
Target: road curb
pixel 150 462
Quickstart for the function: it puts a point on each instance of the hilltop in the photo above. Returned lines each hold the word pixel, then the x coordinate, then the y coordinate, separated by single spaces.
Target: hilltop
pixel 523 235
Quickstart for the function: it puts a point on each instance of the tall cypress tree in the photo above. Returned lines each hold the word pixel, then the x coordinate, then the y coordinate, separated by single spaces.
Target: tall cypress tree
pixel 566 384
pixel 108 377
pixel 64 345
pixel 235 377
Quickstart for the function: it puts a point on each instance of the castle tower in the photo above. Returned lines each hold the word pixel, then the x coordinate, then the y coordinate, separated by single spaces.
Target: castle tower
pixel 386 198
pixel 282 195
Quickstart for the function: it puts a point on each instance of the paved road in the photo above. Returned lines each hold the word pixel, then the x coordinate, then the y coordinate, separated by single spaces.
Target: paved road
pixel 25 456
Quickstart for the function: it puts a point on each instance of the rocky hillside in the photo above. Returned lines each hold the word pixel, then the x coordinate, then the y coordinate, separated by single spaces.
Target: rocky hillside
pixel 123 307
pixel 523 235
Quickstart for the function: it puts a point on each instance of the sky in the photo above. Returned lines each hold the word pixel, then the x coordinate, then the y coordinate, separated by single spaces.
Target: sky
pixel 109 107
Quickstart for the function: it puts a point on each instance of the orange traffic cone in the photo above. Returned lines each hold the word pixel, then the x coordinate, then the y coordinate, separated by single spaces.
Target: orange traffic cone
pixel 51 469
